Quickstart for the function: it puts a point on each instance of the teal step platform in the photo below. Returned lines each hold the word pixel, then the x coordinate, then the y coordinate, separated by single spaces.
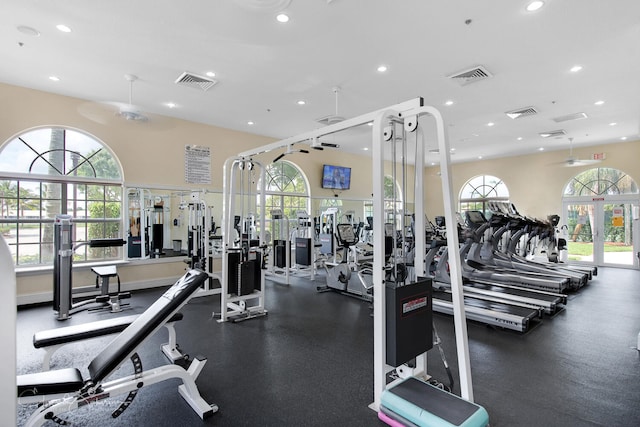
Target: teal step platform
pixel 422 404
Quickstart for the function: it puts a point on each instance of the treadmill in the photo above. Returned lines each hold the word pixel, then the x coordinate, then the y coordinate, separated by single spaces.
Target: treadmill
pixel 491 313
pixel 502 212
pixel 510 258
pixel 499 291
pixel 517 316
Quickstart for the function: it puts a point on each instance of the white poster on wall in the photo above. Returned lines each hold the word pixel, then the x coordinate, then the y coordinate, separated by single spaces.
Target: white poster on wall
pixel 197 164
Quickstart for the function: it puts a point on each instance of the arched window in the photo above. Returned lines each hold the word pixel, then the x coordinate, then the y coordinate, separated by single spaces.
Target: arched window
pixel 598 207
pixel 391 191
pixel 49 171
pixel 286 188
pixel 479 191
pixel 600 182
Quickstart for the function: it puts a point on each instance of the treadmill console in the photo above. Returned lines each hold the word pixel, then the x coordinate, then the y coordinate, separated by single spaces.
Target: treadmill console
pixel 475 218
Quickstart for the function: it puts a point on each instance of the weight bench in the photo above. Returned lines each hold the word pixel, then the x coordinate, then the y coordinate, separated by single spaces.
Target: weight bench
pixel 53 339
pixel 65 390
pixel 413 402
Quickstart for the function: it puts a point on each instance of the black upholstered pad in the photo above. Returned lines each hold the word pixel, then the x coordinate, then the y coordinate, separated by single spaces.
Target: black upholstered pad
pixel 146 324
pixel 49 382
pixel 85 331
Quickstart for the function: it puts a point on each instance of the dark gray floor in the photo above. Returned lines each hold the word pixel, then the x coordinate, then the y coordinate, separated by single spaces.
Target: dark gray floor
pixel 309 362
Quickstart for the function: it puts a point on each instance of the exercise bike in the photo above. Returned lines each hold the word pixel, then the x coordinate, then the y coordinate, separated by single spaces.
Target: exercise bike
pixel 339 274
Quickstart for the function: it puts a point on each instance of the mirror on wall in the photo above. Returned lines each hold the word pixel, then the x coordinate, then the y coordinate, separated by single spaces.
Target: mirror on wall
pixel 169 223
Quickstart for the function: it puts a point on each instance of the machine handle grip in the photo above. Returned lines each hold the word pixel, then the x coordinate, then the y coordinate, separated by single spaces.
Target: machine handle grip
pixel 106 243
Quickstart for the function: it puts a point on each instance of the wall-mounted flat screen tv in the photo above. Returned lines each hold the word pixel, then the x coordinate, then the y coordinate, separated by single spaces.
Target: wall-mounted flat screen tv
pixel 336 177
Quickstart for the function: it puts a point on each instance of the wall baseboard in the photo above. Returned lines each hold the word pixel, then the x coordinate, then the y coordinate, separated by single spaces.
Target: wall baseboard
pixel 130 286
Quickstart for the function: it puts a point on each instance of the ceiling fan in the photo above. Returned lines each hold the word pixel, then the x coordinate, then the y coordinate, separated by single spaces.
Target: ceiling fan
pixel 332 118
pixel 573 161
pixel 109 112
pixel 129 111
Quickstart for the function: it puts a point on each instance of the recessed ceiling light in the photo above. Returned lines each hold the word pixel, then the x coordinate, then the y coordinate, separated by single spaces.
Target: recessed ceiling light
pixel 448 103
pixel 575 68
pixel 433 163
pixel 479 157
pixel 30 31
pixel 170 105
pixel 598 103
pixel 382 68
pixel 624 138
pixel 366 148
pixel 63 28
pixel 301 102
pixel 54 78
pixel 250 123
pixel 519 138
pixel 370 124
pixel 541 149
pixel 282 17
pixel 612 124
pixel 210 74
pixel 490 124
pixel 534 5
pixel 452 149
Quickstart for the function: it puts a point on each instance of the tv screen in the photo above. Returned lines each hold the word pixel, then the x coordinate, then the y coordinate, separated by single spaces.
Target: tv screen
pixel 336 177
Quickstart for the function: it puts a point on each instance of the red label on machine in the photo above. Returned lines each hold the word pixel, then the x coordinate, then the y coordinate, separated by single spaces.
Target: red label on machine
pixel 414 304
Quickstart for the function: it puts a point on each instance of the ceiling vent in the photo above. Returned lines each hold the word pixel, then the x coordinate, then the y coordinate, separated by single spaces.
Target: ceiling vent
pixel 569 117
pixel 553 133
pixel 471 75
pixel 521 112
pixel 195 81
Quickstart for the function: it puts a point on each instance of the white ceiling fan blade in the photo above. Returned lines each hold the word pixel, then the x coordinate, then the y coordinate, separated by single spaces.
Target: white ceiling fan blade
pixel 581 162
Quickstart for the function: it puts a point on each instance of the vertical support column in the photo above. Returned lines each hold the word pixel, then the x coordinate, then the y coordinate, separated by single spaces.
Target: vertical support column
pixel 379 315
pixel 411 125
pixel 227 226
pixel 8 401
pixel 459 315
pixel 62 275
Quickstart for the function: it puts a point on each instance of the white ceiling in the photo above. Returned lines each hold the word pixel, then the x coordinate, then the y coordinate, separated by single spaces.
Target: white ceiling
pixel 264 67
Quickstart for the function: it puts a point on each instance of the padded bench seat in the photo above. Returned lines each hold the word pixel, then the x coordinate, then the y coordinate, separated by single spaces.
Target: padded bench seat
pixel 85 331
pixel 51 340
pixel 50 382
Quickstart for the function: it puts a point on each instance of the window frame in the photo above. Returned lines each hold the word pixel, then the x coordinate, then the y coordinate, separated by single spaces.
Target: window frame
pixel 88 187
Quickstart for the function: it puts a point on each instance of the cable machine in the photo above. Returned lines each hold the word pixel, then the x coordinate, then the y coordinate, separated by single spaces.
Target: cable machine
pixel 405 115
pixel 281 244
pixel 200 227
pixel 305 246
pixel 242 294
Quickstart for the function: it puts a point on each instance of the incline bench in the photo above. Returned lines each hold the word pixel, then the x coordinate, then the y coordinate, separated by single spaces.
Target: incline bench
pixel 65 390
pixel 53 339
